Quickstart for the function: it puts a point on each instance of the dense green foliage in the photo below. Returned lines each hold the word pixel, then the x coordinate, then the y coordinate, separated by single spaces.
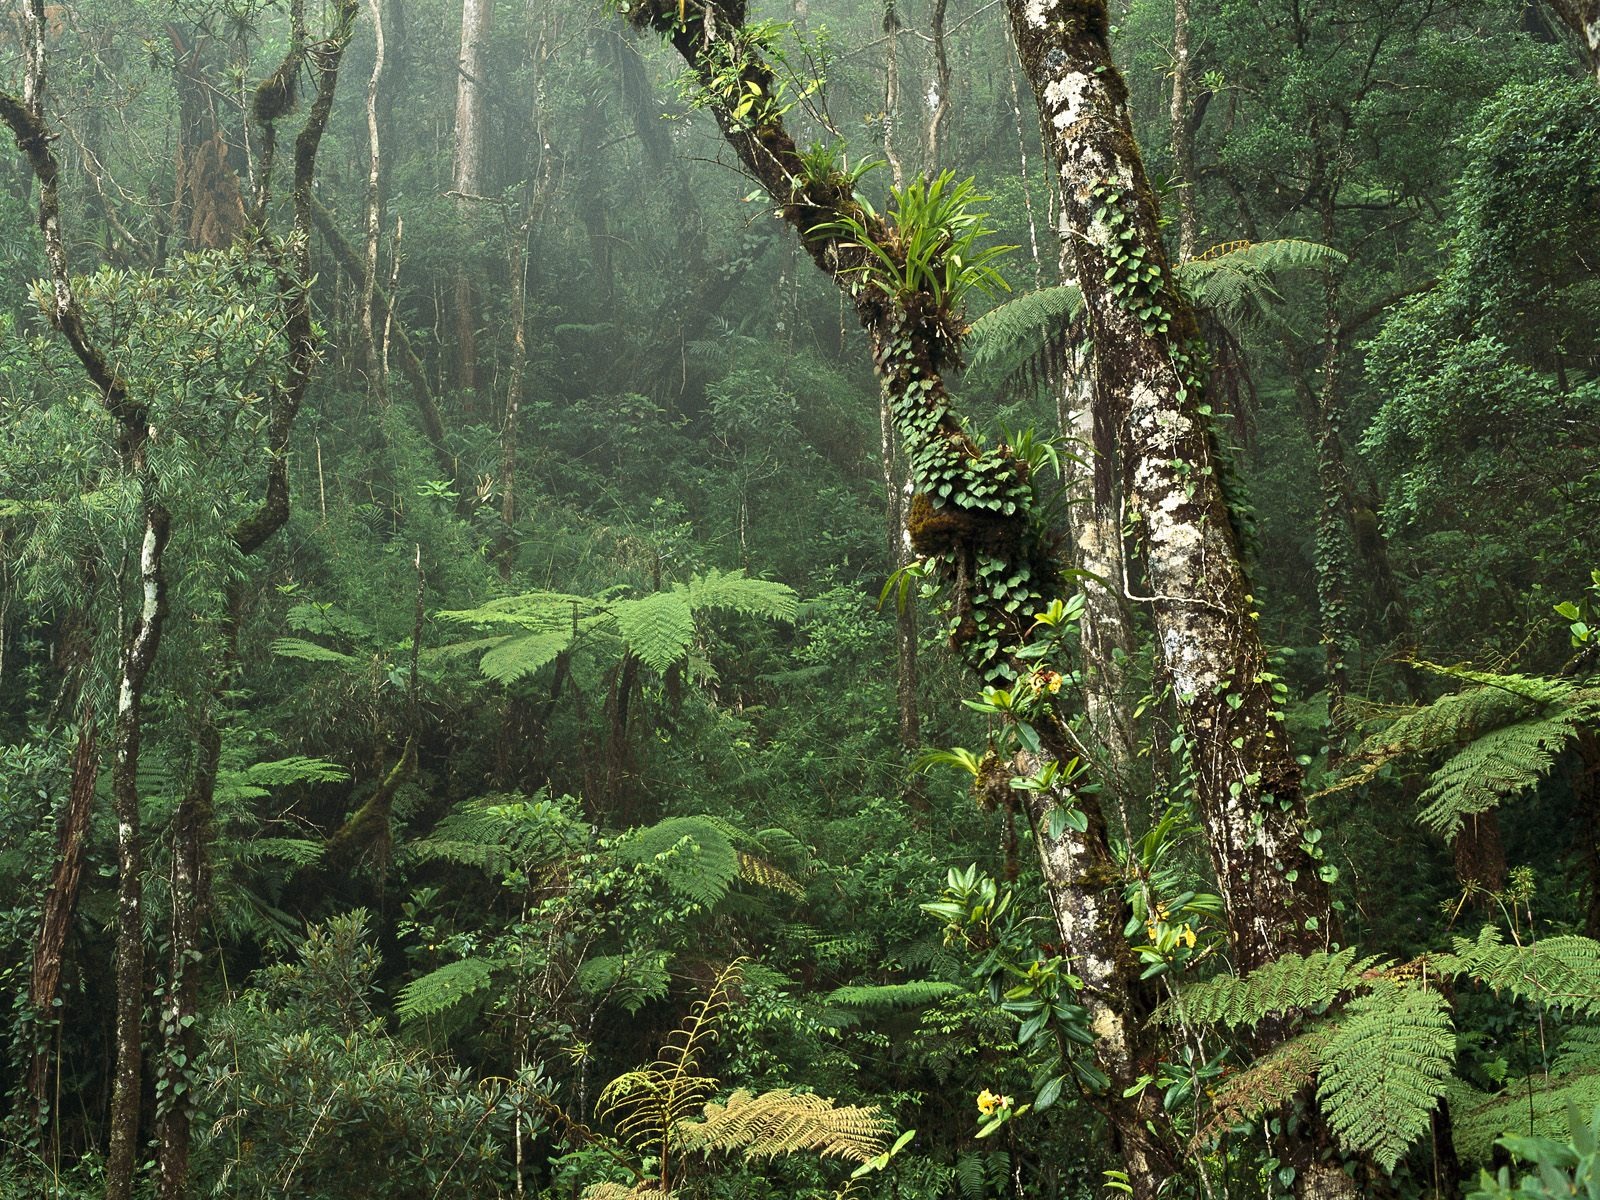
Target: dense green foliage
pixel 574 823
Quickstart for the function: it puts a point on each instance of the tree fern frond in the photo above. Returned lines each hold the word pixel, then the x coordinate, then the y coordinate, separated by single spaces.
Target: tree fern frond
pixel 694 854
pixel 1009 334
pixel 1266 1084
pixel 784 1122
pixel 657 628
pixel 1561 972
pixel 1579 1050
pixel 1234 280
pixel 887 996
pixel 306 651
pixel 1532 1107
pixel 1384 1070
pixel 517 657
pixel 443 988
pixel 645 1189
pixel 1496 767
pixel 497 833
pixel 733 591
pixel 1286 986
pixel 631 980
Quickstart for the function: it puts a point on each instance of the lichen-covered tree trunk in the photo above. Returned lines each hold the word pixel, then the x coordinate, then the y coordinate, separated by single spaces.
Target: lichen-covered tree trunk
pixel 467 168
pixel 1151 364
pixel 1108 642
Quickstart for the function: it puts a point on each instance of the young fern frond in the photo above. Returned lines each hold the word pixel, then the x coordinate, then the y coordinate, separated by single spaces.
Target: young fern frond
pixel 646 1106
pixel 780 1122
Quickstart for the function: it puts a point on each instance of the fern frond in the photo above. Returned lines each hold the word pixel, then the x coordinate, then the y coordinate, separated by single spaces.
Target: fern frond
pixel 645 1189
pixel 647 1105
pixel 657 628
pixel 443 988
pixel 1008 335
pixel 694 854
pixel 1266 1084
pixel 1384 1070
pixel 733 591
pixel 1234 281
pixel 515 658
pixel 497 833
pixel 299 852
pixel 305 651
pixel 1579 1050
pixel 784 1122
pixel 286 772
pixel 763 874
pixel 888 996
pixel 1561 972
pixel 1533 1107
pixel 632 980
pixel 1496 767
pixel 1286 986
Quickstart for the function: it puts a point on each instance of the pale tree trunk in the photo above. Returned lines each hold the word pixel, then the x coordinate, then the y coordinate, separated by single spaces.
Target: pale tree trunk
pixel 371 358
pixel 467 172
pixel 911 346
pixel 1108 641
pixel 1183 134
pixel 891 91
pixel 938 99
pixel 1582 18
pixel 1247 781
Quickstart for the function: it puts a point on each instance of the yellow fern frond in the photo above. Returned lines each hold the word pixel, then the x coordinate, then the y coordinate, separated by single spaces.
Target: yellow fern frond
pixel 783 1122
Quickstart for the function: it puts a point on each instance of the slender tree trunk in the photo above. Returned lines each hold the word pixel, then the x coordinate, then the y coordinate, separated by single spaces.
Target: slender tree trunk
pixel 55 918
pixel 939 99
pixel 467 174
pixel 140 643
pixel 905 618
pixel 1108 641
pixel 518 238
pixel 1183 134
pixel 371 358
pixel 891 91
pixel 1247 780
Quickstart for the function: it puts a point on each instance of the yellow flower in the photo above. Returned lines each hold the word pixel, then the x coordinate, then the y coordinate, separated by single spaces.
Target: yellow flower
pixel 1188 936
pixel 989 1102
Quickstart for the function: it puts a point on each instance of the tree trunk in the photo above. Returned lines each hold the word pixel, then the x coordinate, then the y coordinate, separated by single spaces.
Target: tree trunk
pixel 1183 135
pixel 467 172
pixel 939 96
pixel 1582 18
pixel 140 643
pixel 1246 778
pixel 55 918
pixel 371 358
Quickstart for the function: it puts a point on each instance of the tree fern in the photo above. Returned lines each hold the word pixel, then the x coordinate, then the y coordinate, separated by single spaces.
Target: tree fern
pixel 444 988
pixel 1287 986
pixel 657 628
pixel 1008 335
pixel 647 1106
pixel 496 833
pixel 629 980
pixel 889 996
pixel 1266 1084
pixel 1498 737
pixel 1559 972
pixel 696 857
pixel 785 1122
pixel 1234 281
pixel 1384 1069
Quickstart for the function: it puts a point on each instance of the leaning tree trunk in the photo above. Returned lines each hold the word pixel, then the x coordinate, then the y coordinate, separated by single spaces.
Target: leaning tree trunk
pixel 979 532
pixel 1582 18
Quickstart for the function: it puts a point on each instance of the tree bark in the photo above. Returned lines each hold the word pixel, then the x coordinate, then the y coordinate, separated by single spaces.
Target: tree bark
pixel 1248 784
pixel 371 358
pixel 939 100
pixel 1582 18
pixel 55 918
pixel 467 168
pixel 1183 134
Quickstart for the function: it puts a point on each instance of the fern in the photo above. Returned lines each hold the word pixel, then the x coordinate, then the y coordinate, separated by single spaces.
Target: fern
pixel 306 651
pixel 694 854
pixel 1287 986
pixel 1579 1050
pixel 1008 335
pixel 784 1122
pixel 632 980
pixel 732 591
pixel 1267 1084
pixel 647 1106
pixel 1529 1107
pixel 889 996
pixel 1498 737
pixel 443 988
pixel 657 628
pixel 1384 1070
pixel 763 874
pixel 498 833
pixel 1234 281
pixel 1559 972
